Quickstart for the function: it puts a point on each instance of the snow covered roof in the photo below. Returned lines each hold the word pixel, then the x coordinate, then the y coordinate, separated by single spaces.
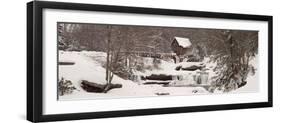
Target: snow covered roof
pixel 184 42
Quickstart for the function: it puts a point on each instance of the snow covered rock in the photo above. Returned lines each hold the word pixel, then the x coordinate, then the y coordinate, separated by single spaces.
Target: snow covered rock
pixel 94 87
pixel 190 66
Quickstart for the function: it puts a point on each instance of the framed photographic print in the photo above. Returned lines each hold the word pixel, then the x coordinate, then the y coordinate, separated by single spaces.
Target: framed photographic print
pixel 89 61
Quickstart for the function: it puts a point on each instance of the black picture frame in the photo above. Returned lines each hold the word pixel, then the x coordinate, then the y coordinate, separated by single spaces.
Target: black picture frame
pixel 35 55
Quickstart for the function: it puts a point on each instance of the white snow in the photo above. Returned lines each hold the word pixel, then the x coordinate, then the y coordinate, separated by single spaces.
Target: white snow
pixel 88 66
pixel 184 42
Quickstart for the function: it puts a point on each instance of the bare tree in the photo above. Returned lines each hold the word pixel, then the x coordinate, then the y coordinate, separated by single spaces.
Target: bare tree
pixel 112 58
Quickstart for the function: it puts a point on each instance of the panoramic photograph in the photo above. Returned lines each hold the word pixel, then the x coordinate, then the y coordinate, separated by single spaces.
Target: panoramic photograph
pixel 98 61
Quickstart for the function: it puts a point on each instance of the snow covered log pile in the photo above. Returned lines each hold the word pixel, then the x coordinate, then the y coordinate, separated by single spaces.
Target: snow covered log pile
pixel 98 88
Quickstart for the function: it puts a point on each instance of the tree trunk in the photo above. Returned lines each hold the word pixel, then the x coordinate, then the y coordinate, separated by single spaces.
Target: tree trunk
pixel 108 54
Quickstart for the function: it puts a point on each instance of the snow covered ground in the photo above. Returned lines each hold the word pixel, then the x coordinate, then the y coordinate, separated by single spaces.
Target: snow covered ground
pixel 252 80
pixel 88 66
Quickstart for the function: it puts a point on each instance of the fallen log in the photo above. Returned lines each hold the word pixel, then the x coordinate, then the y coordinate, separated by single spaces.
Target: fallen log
pixel 162 77
pixel 66 63
pixel 162 94
pixel 98 88
pixel 157 82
